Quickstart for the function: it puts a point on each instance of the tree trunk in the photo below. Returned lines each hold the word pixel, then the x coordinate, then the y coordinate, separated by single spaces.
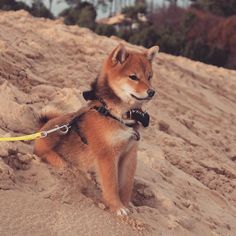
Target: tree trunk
pixel 50 5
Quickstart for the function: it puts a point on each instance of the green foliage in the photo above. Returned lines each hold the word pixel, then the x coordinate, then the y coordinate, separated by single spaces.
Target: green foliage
pixel 83 14
pixel 125 34
pixel 217 7
pixel 73 2
pixel 146 36
pixel 189 19
pixel 169 29
pixel 39 10
pixel 87 16
pixel 107 30
pixel 8 5
pixel 171 41
pixel 199 50
pixel 132 11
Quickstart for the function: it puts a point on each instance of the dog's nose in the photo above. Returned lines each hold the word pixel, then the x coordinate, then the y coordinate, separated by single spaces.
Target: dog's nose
pixel 151 92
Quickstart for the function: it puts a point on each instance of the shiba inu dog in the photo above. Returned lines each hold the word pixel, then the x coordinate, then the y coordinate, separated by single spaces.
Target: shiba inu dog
pixel 104 135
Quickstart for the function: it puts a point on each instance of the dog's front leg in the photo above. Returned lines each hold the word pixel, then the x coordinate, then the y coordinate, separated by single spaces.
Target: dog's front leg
pixel 127 167
pixel 108 171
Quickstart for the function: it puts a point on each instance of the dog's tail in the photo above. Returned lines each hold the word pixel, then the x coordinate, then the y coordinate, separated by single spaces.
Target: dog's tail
pixel 47 115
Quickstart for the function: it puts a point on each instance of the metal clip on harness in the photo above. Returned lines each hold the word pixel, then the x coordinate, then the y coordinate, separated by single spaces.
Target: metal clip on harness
pixel 62 129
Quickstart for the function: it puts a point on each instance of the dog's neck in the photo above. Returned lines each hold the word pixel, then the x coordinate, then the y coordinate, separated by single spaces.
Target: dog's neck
pixel 105 93
pixel 111 104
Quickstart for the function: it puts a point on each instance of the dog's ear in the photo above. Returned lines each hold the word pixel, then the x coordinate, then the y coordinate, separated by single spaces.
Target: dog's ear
pixel 120 54
pixel 151 53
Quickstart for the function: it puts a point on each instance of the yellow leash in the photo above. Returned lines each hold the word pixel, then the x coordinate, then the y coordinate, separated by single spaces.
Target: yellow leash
pixel 22 138
pixel 63 130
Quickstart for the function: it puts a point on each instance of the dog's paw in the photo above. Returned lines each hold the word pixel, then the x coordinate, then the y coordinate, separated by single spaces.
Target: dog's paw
pixel 122 211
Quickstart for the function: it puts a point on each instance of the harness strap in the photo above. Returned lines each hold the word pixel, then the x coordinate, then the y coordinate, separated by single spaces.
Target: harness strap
pixel 134 114
pixel 140 116
pixel 105 112
pixel 74 124
pixel 102 110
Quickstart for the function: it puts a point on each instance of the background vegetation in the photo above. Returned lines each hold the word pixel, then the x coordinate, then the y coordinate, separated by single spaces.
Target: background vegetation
pixel 205 31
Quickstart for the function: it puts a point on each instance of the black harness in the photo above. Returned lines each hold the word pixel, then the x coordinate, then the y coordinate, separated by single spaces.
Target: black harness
pixel 74 125
pixel 134 114
pixel 105 112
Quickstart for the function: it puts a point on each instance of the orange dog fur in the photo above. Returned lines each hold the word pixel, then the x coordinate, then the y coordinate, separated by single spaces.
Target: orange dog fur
pixel 124 83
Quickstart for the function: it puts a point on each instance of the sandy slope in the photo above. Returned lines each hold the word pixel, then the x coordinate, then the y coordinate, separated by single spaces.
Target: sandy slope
pixel 186 178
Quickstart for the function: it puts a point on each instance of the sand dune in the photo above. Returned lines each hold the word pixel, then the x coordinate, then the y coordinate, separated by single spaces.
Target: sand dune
pixel 186 178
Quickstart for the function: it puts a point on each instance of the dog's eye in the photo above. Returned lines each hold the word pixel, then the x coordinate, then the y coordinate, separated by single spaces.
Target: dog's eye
pixel 149 77
pixel 133 77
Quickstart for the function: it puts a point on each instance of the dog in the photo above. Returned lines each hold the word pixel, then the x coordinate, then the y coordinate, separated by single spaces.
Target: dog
pixel 104 135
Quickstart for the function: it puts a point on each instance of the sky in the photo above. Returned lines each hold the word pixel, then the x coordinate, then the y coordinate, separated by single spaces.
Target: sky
pixel 60 5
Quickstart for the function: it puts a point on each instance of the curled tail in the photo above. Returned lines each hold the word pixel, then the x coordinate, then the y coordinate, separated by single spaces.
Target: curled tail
pixel 47 115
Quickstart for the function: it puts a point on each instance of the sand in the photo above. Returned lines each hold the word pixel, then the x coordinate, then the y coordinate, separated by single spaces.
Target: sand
pixel 185 183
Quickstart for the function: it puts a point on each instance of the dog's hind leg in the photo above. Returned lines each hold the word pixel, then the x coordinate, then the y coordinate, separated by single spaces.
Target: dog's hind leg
pixel 54 159
pixel 44 149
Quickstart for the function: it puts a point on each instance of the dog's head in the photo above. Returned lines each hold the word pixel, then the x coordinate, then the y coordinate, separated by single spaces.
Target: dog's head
pixel 129 74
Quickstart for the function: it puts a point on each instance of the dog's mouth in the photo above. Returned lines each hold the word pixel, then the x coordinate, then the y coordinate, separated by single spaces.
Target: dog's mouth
pixel 137 98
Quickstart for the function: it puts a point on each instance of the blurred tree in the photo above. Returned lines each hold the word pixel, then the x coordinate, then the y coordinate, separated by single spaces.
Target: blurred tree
pixel 199 50
pixel 83 14
pixel 146 36
pixel 151 5
pixel 107 5
pixel 73 2
pixel 173 2
pixel 107 30
pixel 50 5
pixel 110 13
pixel 87 15
pixel 8 5
pixel 217 7
pixel 132 11
pixel 38 9
pixel 125 34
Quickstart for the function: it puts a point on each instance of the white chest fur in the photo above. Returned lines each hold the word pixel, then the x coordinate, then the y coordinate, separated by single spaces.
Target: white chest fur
pixel 123 137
